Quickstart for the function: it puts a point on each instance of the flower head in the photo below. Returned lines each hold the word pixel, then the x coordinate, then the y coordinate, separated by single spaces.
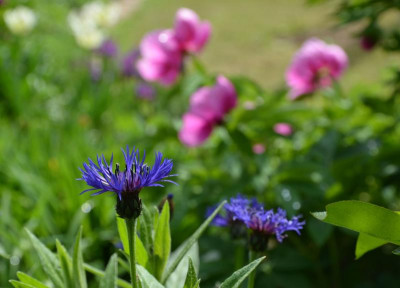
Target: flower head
pixel 20 20
pixel 235 211
pixel 191 33
pixel 108 48
pixel 145 91
pixel 242 214
pixel 283 129
pixel 316 65
pixel 127 183
pixel 208 106
pixel 161 57
pixel 129 63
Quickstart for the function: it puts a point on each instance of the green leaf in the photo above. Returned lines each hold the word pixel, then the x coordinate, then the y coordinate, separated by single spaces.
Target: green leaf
pixel 191 278
pixel 367 243
pixel 363 217
pixel 189 243
pixel 238 277
pixel 178 277
pixel 48 260
pixel 77 263
pixel 18 284
pixel 162 241
pixel 147 280
pixel 66 264
pixel 123 234
pixel 146 228
pixel 26 279
pixel 110 278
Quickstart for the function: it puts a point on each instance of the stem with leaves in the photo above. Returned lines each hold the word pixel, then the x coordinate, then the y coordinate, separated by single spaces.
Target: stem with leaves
pixel 252 276
pixel 131 228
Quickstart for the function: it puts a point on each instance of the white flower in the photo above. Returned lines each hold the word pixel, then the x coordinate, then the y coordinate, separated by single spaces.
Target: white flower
pixel 20 20
pixel 88 23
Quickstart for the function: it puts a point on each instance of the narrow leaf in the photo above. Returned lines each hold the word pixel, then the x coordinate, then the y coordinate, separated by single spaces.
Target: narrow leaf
pixel 48 260
pixel 189 243
pixel 147 280
pixel 66 264
pixel 162 241
pixel 146 228
pixel 366 243
pixel 178 277
pixel 238 277
pixel 77 263
pixel 191 278
pixel 123 234
pixel 111 274
pixel 363 217
pixel 26 279
pixel 18 284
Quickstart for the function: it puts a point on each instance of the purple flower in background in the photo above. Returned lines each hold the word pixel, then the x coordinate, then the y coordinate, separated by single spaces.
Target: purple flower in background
pixel 161 57
pixel 129 63
pixel 108 49
pixel 234 213
pixel 191 33
pixel 267 223
pixel 145 91
pixel 241 214
pixel 127 183
pixel 283 129
pixel 316 65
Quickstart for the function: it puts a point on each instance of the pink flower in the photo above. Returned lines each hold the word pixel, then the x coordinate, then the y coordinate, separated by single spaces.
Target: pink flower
pixel 212 103
pixel 195 130
pixel 208 106
pixel 316 65
pixel 191 33
pixel 161 57
pixel 284 129
pixel 258 148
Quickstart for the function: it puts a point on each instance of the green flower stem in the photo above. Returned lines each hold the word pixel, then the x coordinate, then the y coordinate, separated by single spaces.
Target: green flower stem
pixel 100 273
pixel 252 276
pixel 131 228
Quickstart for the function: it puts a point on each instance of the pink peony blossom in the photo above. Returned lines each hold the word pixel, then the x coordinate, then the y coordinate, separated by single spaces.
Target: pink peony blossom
pixel 316 65
pixel 191 33
pixel 212 103
pixel 195 130
pixel 258 148
pixel 161 57
pixel 208 106
pixel 284 129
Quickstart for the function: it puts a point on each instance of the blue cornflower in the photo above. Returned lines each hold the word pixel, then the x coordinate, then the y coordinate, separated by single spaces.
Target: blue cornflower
pixel 264 224
pixel 126 184
pixel 235 211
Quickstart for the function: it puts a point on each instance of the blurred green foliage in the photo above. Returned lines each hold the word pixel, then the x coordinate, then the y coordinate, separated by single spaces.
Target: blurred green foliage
pixel 54 116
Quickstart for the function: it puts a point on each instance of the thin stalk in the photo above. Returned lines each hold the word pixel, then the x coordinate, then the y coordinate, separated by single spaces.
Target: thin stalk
pixel 252 276
pixel 100 273
pixel 131 227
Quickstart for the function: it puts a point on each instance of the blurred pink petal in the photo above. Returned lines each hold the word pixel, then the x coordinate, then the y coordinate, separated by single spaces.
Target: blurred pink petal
pixel 161 58
pixel 195 130
pixel 191 33
pixel 258 148
pixel 284 129
pixel 315 66
pixel 212 103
